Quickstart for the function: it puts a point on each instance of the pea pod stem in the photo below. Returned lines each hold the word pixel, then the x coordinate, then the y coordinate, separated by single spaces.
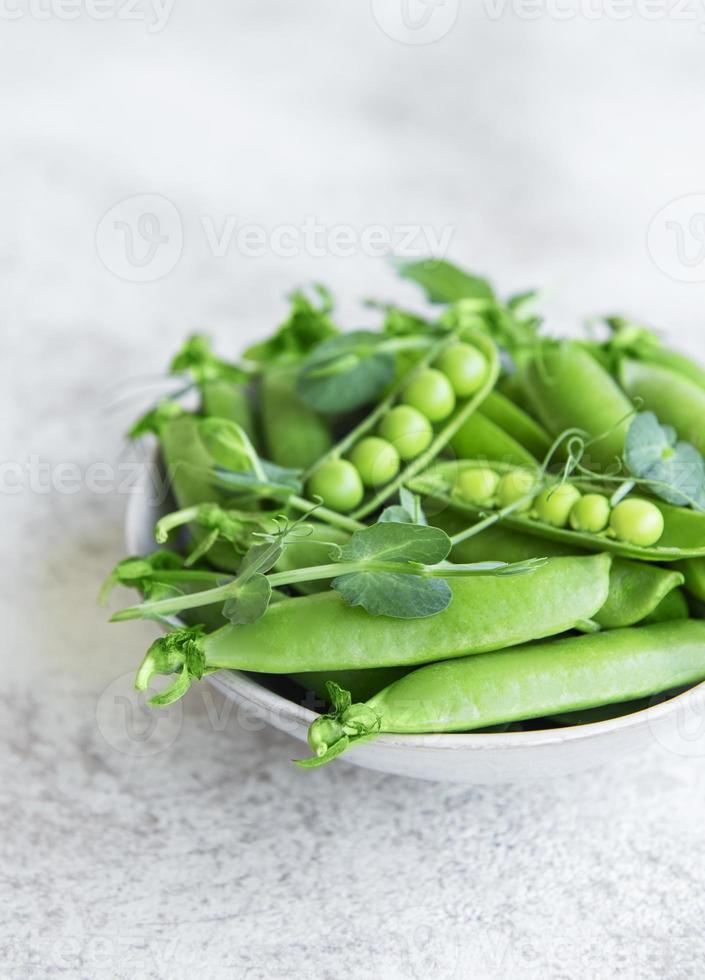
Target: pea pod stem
pixel 324 514
pixel 166 607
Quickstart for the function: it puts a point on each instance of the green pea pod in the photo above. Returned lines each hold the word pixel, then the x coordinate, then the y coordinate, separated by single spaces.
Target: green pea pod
pixel 694 571
pixel 295 436
pixel 487 612
pixel 188 468
pixel 683 535
pixel 227 400
pixel 567 388
pixel 636 589
pixel 675 399
pixel 480 438
pixel 672 606
pixel 568 674
pixel 188 463
pixel 516 423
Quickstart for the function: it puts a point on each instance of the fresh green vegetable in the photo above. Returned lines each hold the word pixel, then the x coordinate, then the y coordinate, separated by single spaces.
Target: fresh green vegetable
pixel 480 438
pixel 364 510
pixel 321 632
pixel 376 460
pixel 408 430
pixel 338 484
pixel 637 522
pixel 431 393
pixel 294 435
pixel 563 675
pixel 465 367
pixel 567 388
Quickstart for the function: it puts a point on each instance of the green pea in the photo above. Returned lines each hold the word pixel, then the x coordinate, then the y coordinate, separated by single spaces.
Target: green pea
pixel 554 504
pixel 465 367
pixel 431 393
pixel 323 733
pixel 477 486
pixel 591 513
pixel 515 485
pixel 376 460
pixel 408 431
pixel 637 521
pixel 338 484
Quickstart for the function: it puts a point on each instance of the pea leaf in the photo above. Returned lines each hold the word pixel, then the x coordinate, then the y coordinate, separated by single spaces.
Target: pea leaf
pixel 346 372
pixel 397 542
pixel 390 594
pixel 444 282
pixel 250 601
pixel 675 471
pixel 154 419
pixel 306 326
pixel 407 511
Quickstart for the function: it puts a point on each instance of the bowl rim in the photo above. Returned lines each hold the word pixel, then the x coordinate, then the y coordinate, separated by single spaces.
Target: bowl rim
pixel 238 685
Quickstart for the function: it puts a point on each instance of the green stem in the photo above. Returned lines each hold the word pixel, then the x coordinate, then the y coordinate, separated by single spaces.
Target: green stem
pixel 329 516
pixel 176 519
pixel 491 519
pixel 165 607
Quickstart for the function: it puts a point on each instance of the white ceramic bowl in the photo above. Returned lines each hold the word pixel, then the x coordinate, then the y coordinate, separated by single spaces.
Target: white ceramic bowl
pixel 486 758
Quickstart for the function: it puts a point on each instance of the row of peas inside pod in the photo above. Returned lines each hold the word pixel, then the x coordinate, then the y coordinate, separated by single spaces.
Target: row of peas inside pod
pixel 633 519
pixel 404 432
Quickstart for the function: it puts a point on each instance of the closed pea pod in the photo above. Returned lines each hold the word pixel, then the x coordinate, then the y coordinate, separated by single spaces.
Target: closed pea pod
pixel 480 438
pixel 516 423
pixel 567 388
pixel 295 436
pixel 676 400
pixel 320 632
pixel 636 589
pixel 228 400
pixel 529 682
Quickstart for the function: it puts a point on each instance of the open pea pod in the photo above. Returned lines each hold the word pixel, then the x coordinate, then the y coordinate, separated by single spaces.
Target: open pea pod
pixel 444 432
pixel 683 535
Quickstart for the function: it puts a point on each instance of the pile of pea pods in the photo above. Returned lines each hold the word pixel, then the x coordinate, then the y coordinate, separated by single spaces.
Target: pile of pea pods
pixel 449 522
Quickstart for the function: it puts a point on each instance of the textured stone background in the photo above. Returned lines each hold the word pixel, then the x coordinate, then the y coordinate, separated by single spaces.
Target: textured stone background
pixel 547 147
